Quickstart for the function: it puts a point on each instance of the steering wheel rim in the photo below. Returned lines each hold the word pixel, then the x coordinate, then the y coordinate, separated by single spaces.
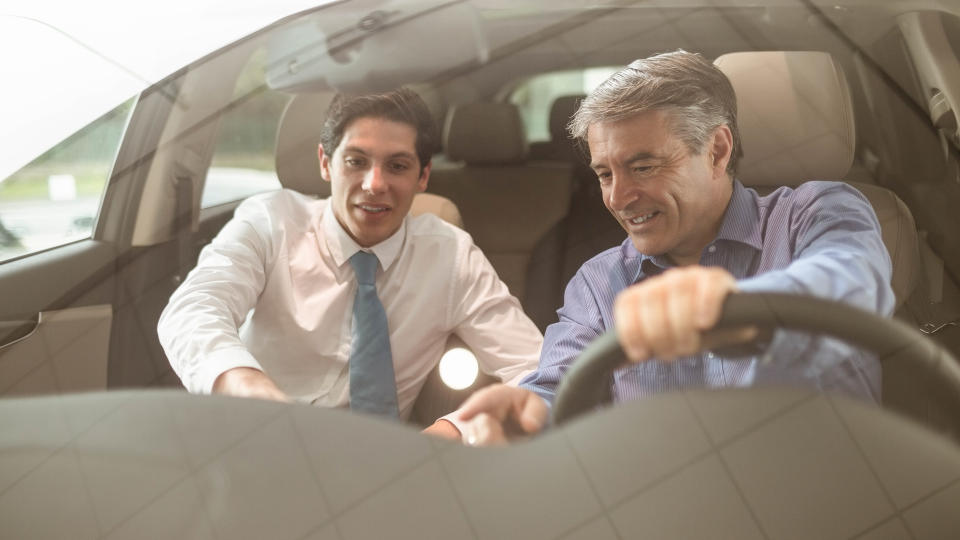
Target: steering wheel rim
pixel 585 385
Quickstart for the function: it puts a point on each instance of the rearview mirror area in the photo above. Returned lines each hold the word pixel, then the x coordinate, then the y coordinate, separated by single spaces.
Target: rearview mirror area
pixel 321 52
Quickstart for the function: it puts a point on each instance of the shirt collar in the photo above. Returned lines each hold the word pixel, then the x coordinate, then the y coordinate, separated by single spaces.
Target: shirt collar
pixel 646 265
pixel 740 223
pixel 342 246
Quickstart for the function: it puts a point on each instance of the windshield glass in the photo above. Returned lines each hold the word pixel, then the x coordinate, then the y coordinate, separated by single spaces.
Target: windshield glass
pixel 101 55
pixel 169 213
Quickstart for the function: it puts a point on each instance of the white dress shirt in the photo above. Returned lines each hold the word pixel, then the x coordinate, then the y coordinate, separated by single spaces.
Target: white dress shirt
pixel 285 257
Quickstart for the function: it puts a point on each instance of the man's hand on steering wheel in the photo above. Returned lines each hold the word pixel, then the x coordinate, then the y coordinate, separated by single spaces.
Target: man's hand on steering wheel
pixel 665 317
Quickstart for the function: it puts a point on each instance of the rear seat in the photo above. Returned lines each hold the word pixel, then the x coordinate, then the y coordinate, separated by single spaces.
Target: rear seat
pixel 589 227
pixel 509 205
pixel 559 147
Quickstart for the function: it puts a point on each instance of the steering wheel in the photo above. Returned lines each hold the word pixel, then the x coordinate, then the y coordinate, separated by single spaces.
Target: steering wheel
pixel 586 384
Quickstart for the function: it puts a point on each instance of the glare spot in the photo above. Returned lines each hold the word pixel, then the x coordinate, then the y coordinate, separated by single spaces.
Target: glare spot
pixel 458 368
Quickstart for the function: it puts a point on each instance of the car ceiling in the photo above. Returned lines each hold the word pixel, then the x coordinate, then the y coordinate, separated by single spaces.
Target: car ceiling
pixel 512 40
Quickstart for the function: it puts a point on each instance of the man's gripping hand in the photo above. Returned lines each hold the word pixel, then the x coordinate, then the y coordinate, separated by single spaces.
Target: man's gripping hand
pixel 250 383
pixel 496 412
pixel 665 317
pixel 444 429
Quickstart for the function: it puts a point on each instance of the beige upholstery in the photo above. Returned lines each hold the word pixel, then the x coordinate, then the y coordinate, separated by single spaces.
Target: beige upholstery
pixel 560 147
pixel 561 111
pixel 796 123
pixel 485 133
pixel 298 138
pixel 442 207
pixel 508 205
pixel 299 169
pixel 795 116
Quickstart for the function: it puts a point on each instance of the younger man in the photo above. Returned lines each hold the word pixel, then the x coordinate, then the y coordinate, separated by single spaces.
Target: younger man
pixel 350 301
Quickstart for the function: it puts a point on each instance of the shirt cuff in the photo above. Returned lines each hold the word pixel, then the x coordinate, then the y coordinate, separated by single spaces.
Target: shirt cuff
pixel 212 365
pixel 454 418
pixel 461 425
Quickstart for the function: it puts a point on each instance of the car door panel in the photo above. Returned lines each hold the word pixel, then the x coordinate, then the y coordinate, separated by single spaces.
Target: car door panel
pixel 55 319
pixel 67 352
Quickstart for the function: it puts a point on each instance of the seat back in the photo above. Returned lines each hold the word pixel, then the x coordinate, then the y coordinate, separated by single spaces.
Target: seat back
pixel 298 167
pixel 796 124
pixel 560 147
pixel 509 205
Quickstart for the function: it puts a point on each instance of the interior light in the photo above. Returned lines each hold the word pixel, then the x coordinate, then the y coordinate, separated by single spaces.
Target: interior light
pixel 458 368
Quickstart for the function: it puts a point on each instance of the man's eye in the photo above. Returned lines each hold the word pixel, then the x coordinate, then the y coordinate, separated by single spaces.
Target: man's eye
pixel 354 162
pixel 643 169
pixel 399 167
pixel 604 177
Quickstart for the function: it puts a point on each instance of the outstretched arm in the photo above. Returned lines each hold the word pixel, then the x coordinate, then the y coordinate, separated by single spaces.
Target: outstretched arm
pixel 248 382
pixel 492 414
pixel 199 326
pixel 492 323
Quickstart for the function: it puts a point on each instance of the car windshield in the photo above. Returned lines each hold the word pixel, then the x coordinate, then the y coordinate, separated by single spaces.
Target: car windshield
pixel 132 137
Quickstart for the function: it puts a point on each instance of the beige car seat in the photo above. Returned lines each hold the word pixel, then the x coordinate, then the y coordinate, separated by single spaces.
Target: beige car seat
pixel 796 123
pixel 509 204
pixel 560 147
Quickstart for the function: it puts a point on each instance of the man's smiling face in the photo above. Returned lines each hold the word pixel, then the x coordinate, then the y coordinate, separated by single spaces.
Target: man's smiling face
pixel 374 173
pixel 668 199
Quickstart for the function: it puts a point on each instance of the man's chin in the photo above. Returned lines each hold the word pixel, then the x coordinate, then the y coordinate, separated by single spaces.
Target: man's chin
pixel 647 247
pixel 371 236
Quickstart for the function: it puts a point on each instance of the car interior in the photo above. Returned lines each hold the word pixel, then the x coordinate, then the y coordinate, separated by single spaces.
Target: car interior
pixel 864 92
pixel 871 106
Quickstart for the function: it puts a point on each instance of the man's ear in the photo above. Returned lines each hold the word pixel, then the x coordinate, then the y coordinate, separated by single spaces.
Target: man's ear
pixel 324 163
pixel 721 147
pixel 424 178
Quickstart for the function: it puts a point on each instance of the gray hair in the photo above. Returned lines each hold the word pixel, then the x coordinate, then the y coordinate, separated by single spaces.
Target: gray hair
pixel 697 96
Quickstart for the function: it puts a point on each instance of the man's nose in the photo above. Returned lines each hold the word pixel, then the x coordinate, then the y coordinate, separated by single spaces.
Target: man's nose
pixel 621 192
pixel 373 180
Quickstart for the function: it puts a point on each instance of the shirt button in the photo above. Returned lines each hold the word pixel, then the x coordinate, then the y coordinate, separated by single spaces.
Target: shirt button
pixel 712 249
pixel 711 356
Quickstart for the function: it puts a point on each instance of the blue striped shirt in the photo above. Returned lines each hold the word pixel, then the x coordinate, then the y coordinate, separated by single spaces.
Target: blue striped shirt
pixel 820 239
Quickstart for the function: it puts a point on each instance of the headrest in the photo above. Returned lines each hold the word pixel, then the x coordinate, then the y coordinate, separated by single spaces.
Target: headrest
pixel 298 137
pixel 795 116
pixel 560 112
pixel 442 207
pixel 485 134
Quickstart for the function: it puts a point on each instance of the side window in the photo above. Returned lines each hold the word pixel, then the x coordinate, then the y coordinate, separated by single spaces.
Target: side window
pixel 54 199
pixel 535 96
pixel 243 161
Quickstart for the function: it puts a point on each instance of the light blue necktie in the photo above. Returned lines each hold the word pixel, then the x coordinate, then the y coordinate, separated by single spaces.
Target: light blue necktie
pixel 373 387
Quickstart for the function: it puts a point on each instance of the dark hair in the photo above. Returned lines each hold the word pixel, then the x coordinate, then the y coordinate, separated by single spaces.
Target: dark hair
pixel 696 95
pixel 402 105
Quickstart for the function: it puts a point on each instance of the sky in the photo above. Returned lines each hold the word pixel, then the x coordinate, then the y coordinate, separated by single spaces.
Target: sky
pixel 66 63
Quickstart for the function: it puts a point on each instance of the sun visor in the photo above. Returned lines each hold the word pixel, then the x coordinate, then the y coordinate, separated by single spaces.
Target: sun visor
pixel 380 50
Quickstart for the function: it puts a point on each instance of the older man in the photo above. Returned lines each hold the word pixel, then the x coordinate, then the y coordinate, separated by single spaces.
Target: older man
pixel 663 141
